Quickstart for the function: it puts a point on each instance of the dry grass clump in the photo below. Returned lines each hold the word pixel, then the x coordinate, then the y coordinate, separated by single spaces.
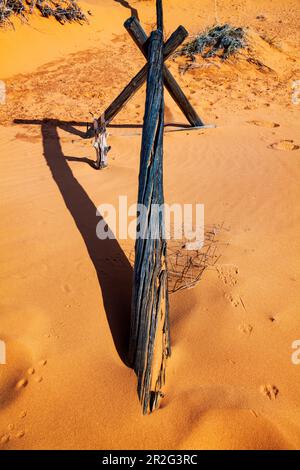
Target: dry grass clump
pixel 221 40
pixel 62 10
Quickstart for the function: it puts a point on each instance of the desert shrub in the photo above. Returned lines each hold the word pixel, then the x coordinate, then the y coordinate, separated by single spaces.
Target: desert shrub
pixel 221 40
pixel 62 10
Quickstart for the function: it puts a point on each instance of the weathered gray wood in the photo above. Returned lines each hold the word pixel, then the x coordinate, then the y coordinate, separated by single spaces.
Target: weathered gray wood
pixel 137 33
pixel 150 340
pixel 159 14
pixel 139 36
pixel 135 84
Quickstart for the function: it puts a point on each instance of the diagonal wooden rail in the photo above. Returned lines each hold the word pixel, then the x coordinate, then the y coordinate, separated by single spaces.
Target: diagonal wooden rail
pixel 135 84
pixel 140 38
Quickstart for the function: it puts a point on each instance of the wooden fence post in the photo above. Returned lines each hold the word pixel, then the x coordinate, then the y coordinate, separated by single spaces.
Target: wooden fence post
pixel 150 339
pixel 139 36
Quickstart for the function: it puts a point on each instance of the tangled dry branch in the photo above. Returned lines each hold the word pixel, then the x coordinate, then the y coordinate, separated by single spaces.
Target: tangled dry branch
pixel 62 10
pixel 186 265
pixel 221 40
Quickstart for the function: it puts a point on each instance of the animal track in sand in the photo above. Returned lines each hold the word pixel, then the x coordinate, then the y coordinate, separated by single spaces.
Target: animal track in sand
pixel 268 124
pixel 66 288
pixel 22 383
pixel 234 300
pixel 13 378
pixel 15 430
pixel 228 273
pixel 246 329
pixel 269 391
pixel 52 334
pixel 284 145
pixel 5 438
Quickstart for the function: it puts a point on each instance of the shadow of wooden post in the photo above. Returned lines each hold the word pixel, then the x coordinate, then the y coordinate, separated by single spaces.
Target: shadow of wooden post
pixel 113 269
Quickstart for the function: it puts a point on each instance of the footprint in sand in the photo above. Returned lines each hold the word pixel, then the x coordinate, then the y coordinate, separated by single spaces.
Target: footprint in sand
pixel 22 383
pixel 269 391
pixel 228 273
pixel 14 377
pixel 4 438
pixel 7 437
pixel 43 362
pixel 284 145
pixel 66 288
pixel 268 124
pixel 14 430
pixel 246 329
pixel 235 301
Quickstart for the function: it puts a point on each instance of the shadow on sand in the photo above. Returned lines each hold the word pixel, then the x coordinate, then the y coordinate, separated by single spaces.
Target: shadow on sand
pixel 112 266
pixel 133 11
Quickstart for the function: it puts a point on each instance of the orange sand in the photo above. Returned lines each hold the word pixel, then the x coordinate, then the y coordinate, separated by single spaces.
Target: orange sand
pixel 65 296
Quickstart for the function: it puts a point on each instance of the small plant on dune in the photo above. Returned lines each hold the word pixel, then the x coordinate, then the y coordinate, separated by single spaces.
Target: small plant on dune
pixel 221 40
pixel 9 8
pixel 62 10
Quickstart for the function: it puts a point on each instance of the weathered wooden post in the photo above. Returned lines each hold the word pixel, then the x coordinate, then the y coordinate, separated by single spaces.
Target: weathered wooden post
pixel 150 336
pixel 139 36
pixel 134 28
pixel 136 83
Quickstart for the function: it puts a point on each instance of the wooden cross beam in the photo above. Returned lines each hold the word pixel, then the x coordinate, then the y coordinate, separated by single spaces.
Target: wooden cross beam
pixel 139 36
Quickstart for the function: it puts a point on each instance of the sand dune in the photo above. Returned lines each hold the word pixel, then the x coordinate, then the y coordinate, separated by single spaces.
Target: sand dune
pixel 65 295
